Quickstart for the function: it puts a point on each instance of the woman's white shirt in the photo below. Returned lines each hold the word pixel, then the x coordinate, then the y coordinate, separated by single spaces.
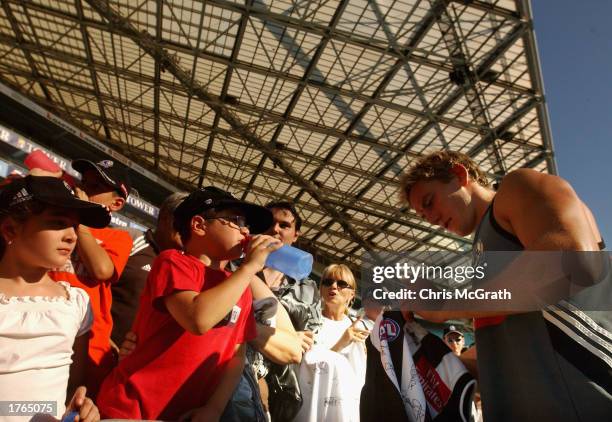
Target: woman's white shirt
pixel 331 381
pixel 331 331
pixel 330 334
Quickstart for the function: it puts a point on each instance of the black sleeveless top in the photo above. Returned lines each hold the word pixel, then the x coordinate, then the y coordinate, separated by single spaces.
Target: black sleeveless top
pixel 553 365
pixel 496 238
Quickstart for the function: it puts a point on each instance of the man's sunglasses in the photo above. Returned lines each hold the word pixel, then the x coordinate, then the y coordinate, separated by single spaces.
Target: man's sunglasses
pixel 238 220
pixel 327 282
pixel 456 339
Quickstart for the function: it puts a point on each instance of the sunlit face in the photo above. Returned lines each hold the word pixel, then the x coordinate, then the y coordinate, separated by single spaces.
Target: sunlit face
pixel 45 240
pixel 443 204
pixel 455 341
pixel 224 236
pixel 97 189
pixel 340 292
pixel 284 226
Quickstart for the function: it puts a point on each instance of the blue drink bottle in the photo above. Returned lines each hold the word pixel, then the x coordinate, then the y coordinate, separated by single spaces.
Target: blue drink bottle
pixel 291 261
pixel 70 417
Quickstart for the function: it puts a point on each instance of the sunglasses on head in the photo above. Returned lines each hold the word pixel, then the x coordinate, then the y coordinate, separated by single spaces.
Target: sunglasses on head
pixel 327 282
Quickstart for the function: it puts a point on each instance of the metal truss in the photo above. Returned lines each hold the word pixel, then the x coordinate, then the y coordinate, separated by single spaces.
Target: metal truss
pixel 321 102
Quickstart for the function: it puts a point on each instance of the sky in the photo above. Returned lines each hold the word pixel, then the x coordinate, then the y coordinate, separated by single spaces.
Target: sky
pixel 575 44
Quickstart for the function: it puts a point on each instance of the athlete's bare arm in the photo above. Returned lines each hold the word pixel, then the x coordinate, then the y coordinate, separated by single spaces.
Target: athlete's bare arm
pixel 544 213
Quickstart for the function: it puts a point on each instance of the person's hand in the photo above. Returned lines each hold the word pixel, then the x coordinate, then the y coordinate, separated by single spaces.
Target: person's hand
pixel 258 250
pixel 46 173
pixel 201 414
pixel 128 345
pixel 80 193
pixel 87 410
pixel 307 339
pixel 352 334
pixel 115 350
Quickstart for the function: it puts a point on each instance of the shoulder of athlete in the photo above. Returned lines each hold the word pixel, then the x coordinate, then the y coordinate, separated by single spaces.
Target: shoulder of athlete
pixel 523 190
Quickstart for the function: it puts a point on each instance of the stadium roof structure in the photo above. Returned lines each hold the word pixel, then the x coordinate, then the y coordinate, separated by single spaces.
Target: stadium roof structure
pixel 324 103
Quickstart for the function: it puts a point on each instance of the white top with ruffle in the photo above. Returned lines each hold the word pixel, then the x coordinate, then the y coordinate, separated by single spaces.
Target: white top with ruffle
pixel 36 338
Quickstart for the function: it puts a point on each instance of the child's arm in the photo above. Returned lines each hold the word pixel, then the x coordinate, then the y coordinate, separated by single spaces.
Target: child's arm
pixel 94 257
pixel 199 312
pixel 213 410
pixel 79 361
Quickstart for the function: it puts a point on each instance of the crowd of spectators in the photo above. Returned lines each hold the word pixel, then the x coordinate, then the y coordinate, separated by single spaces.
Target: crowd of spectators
pixel 186 321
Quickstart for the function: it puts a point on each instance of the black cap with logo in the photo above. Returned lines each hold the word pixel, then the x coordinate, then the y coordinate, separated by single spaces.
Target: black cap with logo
pixel 55 192
pixel 451 329
pixel 258 218
pixel 113 175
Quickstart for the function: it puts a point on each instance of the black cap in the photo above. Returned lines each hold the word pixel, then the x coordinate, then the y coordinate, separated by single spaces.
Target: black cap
pixel 55 192
pixel 258 218
pixel 113 175
pixel 451 329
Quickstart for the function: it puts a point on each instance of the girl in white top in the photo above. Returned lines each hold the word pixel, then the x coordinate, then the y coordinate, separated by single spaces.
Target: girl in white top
pixel 332 373
pixel 41 320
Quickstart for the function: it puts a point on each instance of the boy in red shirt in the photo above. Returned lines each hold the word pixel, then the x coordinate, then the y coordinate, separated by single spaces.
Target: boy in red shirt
pixel 99 259
pixel 195 317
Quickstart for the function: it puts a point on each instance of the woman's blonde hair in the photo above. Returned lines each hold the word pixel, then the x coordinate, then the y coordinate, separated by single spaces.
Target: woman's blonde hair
pixel 341 272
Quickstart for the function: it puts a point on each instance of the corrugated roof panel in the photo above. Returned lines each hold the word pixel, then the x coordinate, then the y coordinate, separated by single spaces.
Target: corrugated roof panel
pixel 428 143
pixel 317 107
pixel 261 91
pixel 269 46
pixel 313 11
pixel 353 68
pixel 352 121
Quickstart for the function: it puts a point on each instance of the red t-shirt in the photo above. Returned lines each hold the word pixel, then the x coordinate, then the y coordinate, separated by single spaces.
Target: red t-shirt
pixel 117 244
pixel 172 371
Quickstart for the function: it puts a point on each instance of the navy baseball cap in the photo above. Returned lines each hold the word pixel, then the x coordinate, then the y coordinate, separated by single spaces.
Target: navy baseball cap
pixel 113 175
pixel 55 192
pixel 258 218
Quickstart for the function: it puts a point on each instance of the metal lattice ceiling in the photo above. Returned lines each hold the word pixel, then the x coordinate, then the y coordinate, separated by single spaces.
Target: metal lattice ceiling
pixel 320 102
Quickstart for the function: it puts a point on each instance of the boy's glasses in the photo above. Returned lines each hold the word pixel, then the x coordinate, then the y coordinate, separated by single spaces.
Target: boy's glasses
pixel 238 220
pixel 327 282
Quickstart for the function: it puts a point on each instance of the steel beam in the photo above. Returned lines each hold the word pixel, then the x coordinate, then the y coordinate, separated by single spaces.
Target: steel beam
pixel 310 68
pixel 356 123
pixel 264 14
pixel 92 70
pixel 147 43
pixel 468 82
pixel 170 45
pixel 226 83
pixel 535 72
pixel 21 40
pixel 145 111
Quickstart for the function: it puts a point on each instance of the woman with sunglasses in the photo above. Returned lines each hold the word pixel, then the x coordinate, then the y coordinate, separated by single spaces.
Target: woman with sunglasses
pixel 338 294
pixel 333 371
